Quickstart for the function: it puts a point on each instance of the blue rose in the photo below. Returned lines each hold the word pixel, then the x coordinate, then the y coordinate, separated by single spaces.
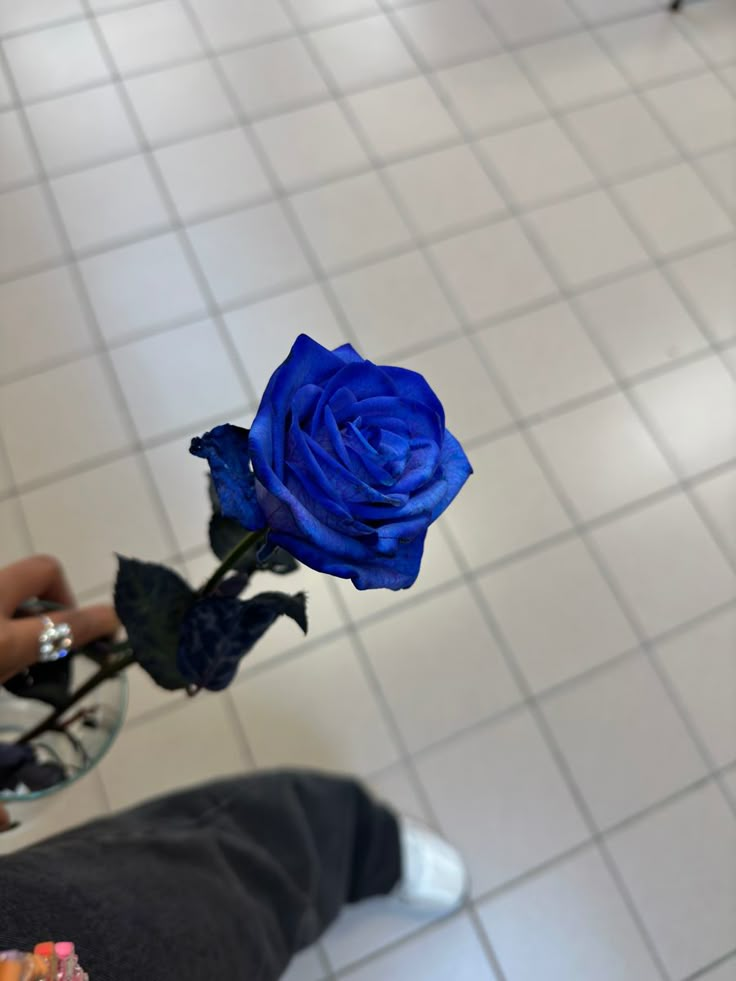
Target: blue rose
pixel 347 464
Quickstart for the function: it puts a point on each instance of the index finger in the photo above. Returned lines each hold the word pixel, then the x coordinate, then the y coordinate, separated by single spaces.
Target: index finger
pixel 41 576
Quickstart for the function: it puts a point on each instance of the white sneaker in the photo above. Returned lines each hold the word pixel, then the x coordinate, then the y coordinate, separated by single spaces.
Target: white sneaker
pixel 433 875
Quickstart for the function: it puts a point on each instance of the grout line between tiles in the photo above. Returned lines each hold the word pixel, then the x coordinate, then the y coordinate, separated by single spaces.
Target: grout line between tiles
pixel 705 971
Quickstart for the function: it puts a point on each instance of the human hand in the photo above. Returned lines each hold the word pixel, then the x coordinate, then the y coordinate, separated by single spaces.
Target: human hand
pixel 42 577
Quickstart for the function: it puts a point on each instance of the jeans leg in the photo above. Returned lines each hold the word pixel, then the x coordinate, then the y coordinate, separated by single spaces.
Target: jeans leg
pixel 230 879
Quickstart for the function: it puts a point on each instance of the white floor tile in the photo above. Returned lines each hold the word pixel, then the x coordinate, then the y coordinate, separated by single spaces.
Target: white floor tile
pixel 193 742
pixel 673 209
pixel 317 13
pixel 472 405
pixel 700 665
pixel 693 411
pixel 493 270
pixel 514 100
pixel 485 787
pixel 118 516
pixel 104 6
pixel 532 21
pixel 728 74
pixel 43 321
pixel 35 13
pixel 298 158
pixel 709 28
pixel 94 211
pixel 719 172
pixel 640 322
pixel 140 286
pixel 603 456
pixel 150 36
pixel 402 118
pixel 448 31
pixel 457 691
pixel 6 98
pixel 557 614
pixel 600 11
pixel 179 102
pixel 506 505
pixel 362 930
pixel 246 252
pixel 28 237
pixel 544 358
pixel 449 952
pixel 14 544
pixel 306 966
pixel 81 129
pixel 717 496
pixel 16 161
pixel 587 239
pixel 625 744
pixel 6 477
pixel 363 53
pixel 689 905
pixel 213 173
pixel 394 304
pixel 445 190
pixel 537 163
pixel 77 397
pixel 572 70
pixel 582 928
pixel 697 111
pixel 264 332
pixel 665 564
pixel 49 62
pixel 227 23
pixel 350 220
pixel 274 77
pixel 709 287
pixel 177 378
pixel 621 137
pixel 650 49
pixel 291 717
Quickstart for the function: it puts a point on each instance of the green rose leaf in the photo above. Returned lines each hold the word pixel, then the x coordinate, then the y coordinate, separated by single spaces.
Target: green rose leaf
pixel 152 602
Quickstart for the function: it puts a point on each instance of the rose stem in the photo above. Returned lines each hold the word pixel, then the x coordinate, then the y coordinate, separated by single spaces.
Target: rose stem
pixel 231 560
pixel 90 684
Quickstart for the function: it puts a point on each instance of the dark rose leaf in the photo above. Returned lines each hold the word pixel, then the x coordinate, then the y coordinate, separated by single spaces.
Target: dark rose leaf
pixel 219 631
pixel 151 602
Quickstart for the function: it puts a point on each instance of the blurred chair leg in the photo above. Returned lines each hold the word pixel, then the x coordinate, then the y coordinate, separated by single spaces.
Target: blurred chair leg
pixel 675 5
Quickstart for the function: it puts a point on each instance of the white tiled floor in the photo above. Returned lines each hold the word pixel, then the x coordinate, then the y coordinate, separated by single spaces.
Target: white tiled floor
pixel 531 202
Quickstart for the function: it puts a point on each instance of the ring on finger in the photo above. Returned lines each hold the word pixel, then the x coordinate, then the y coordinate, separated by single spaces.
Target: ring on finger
pixel 55 640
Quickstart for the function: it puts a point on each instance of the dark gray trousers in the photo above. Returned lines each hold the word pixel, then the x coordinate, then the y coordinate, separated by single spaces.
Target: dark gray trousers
pixel 228 880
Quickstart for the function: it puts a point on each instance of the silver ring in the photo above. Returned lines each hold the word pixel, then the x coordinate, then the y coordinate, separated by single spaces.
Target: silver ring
pixel 55 640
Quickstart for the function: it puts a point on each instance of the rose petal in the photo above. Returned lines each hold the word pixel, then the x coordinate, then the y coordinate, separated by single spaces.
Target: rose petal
pixel 308 363
pixel 226 450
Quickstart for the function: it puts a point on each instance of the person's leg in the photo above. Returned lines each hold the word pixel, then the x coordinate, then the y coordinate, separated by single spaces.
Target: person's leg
pixel 230 879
